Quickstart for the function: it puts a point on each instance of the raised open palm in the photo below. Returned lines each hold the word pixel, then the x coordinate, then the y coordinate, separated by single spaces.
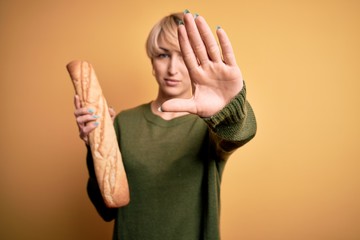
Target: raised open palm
pixel 213 70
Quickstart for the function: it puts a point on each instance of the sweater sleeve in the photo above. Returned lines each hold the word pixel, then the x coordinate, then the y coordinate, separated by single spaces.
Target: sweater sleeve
pixel 94 193
pixel 234 125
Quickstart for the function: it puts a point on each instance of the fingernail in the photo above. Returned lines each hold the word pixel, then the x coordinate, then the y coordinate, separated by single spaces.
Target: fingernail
pixel 218 27
pixel 180 22
pixel 96 124
pixel 90 110
pixel 159 109
pixel 95 116
pixel 186 11
pixel 196 15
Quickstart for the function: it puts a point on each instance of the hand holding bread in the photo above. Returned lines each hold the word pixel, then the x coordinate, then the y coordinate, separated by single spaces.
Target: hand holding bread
pixel 101 137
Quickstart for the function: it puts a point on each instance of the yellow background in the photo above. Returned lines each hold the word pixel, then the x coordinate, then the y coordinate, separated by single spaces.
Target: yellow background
pixel 298 179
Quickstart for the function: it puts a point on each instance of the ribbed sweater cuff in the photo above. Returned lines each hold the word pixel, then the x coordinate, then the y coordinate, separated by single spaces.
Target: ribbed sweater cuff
pixel 234 112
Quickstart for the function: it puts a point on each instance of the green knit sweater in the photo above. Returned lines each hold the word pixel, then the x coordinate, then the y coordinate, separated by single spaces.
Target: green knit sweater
pixel 174 171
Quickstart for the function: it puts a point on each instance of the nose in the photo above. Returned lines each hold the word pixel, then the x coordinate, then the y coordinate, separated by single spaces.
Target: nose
pixel 173 65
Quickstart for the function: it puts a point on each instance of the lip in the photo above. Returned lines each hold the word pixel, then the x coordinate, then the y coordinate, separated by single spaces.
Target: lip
pixel 171 82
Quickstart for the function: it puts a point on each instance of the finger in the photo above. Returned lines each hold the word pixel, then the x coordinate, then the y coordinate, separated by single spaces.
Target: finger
pixel 84 133
pixel 89 128
pixel 84 111
pixel 195 40
pixel 188 55
pixel 86 119
pixel 226 48
pixel 209 40
pixel 179 105
pixel 112 112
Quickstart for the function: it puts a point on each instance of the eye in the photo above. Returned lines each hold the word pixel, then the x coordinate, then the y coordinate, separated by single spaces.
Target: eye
pixel 163 55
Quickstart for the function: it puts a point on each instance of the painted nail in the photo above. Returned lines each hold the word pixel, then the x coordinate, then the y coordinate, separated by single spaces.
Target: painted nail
pixel 90 110
pixel 95 116
pixel 159 109
pixel 186 11
pixel 180 22
pixel 218 27
pixel 96 124
pixel 196 15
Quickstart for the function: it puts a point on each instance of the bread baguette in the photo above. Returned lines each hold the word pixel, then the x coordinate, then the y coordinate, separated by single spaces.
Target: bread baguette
pixel 109 168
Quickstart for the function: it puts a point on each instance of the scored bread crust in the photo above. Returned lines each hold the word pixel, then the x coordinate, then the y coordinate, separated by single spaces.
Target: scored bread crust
pixel 109 168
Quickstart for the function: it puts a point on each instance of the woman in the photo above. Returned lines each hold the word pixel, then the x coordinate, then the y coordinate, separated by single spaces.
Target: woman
pixel 175 148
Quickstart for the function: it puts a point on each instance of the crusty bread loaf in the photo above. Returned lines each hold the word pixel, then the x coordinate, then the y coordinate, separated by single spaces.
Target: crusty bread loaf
pixel 108 163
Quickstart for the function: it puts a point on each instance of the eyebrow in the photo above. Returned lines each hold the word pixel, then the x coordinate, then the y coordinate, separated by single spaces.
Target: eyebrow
pixel 168 50
pixel 164 49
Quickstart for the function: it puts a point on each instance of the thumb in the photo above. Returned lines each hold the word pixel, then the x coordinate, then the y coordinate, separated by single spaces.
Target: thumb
pixel 112 113
pixel 179 105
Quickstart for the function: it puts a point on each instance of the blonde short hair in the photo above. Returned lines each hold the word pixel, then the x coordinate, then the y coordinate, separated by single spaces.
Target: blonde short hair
pixel 166 28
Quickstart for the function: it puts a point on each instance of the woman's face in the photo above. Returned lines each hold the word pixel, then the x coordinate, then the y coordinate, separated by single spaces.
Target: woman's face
pixel 170 72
